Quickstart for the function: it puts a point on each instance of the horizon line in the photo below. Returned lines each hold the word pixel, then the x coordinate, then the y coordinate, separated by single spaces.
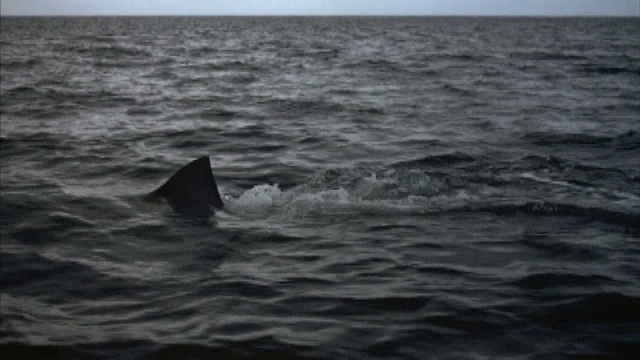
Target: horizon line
pixel 333 15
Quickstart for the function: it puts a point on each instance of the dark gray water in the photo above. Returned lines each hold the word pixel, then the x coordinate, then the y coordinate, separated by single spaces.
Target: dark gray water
pixel 394 187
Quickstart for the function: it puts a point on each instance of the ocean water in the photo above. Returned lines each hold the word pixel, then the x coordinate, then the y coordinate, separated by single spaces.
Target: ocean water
pixel 395 188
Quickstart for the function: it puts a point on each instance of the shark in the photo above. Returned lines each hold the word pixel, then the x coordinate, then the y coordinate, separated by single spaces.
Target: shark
pixel 192 190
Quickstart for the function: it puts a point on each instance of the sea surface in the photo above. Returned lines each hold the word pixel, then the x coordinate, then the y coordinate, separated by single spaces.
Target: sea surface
pixel 394 188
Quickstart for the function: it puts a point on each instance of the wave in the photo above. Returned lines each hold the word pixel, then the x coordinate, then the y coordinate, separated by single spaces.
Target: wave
pixel 266 348
pixel 21 90
pixel 379 65
pixel 118 52
pixel 29 144
pixel 446 159
pixel 52 278
pixel 61 97
pixel 143 111
pixel 337 306
pixel 559 280
pixel 229 65
pixel 629 140
pixel 203 51
pixel 215 113
pixel 549 138
pixel 610 182
pixel 58 225
pixel 547 55
pixel 610 70
pixel 20 64
pixel 601 307
pixel 542 208
pixel 460 90
pixel 460 57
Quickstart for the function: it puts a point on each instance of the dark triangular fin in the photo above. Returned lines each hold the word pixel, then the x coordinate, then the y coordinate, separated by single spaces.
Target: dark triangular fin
pixel 192 190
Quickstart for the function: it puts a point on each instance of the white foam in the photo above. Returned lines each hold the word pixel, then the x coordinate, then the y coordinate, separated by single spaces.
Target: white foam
pixel 265 201
pixel 256 201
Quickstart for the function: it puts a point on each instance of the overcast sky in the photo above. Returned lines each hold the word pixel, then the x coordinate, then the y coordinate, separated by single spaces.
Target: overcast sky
pixel 321 7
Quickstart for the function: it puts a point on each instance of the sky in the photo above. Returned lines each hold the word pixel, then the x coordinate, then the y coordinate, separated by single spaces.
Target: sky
pixel 322 7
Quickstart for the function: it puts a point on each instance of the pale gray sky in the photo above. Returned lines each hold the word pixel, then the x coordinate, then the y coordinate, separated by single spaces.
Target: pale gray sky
pixel 322 7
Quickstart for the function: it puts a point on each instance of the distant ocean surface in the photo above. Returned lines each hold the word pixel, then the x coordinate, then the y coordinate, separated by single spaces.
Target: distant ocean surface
pixel 395 188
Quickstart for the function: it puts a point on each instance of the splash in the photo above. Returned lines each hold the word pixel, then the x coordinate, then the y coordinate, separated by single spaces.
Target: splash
pixel 334 193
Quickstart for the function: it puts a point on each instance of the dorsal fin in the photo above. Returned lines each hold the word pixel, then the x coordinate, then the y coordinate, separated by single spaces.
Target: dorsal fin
pixel 192 190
